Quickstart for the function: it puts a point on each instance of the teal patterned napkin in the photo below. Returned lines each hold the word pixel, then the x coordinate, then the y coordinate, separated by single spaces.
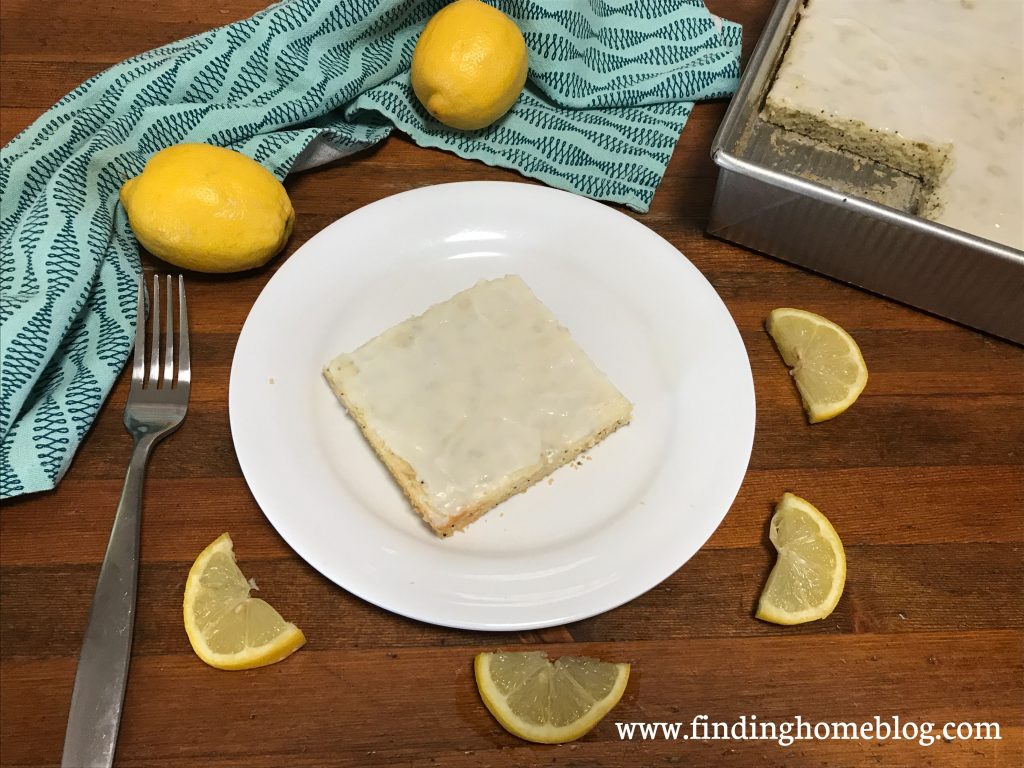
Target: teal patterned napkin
pixel 302 83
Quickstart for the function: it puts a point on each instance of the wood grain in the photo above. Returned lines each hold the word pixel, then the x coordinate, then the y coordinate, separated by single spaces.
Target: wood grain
pixel 924 479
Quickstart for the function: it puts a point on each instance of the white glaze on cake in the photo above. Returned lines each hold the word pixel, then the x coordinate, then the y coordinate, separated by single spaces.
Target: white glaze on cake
pixel 478 396
pixel 933 87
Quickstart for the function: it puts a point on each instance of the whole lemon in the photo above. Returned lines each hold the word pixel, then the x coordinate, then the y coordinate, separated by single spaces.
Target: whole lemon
pixel 208 209
pixel 469 65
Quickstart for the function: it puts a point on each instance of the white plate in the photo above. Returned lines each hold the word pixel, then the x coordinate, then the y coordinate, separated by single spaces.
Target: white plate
pixel 643 501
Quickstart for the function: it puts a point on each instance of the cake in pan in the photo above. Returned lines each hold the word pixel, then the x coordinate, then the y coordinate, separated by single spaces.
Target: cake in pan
pixel 475 400
pixel 933 88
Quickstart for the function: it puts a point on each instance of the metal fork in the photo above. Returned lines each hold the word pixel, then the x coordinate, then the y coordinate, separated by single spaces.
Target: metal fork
pixel 155 408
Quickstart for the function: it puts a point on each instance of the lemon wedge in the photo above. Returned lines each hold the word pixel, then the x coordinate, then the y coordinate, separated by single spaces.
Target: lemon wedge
pixel 824 360
pixel 810 571
pixel 548 702
pixel 227 628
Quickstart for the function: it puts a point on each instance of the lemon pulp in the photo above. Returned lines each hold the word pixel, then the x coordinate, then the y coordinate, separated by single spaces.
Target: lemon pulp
pixel 810 571
pixel 227 628
pixel 548 702
pixel 824 360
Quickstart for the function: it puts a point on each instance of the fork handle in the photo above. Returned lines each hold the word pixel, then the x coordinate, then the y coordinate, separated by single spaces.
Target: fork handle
pixel 98 696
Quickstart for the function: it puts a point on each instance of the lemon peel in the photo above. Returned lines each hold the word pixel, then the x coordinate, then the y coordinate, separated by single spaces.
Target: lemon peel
pixel 208 209
pixel 226 627
pixel 548 702
pixel 810 571
pixel 825 362
pixel 469 65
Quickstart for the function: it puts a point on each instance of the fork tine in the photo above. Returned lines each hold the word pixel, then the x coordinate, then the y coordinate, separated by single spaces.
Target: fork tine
pixel 169 339
pixel 139 368
pixel 154 313
pixel 184 362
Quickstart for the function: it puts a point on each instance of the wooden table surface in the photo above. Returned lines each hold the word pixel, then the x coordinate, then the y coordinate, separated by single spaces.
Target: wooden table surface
pixel 922 478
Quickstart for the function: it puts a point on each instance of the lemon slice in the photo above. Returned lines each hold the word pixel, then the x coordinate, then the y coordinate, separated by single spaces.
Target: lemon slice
pixel 227 628
pixel 824 361
pixel 810 571
pixel 548 702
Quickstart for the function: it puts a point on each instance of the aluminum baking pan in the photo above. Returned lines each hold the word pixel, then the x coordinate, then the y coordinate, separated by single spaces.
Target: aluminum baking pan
pixel 849 217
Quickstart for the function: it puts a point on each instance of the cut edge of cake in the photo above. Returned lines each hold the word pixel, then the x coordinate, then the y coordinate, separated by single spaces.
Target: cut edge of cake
pixel 405 475
pixel 927 162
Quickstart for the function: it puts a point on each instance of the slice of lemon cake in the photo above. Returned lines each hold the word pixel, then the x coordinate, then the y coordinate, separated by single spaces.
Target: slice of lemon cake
pixel 475 400
pixel 934 88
